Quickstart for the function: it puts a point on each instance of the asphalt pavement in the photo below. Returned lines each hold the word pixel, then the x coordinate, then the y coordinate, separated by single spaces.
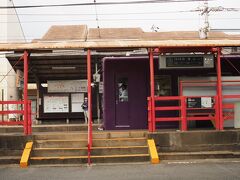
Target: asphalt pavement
pixel 178 170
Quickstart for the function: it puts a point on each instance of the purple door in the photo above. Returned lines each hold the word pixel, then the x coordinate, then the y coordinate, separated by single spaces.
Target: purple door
pixel 122 101
pixel 125 93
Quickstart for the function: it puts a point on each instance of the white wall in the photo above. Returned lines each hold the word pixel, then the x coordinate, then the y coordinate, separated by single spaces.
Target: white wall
pixel 10 32
pixel 211 90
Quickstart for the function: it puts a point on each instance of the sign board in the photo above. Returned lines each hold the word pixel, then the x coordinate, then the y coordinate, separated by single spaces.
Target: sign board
pixel 186 61
pixel 101 87
pixel 77 101
pixel 56 104
pixel 67 86
pixel 194 102
pixel 199 102
pixel 206 102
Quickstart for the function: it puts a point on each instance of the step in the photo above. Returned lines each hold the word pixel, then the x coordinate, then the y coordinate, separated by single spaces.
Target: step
pixel 8 152
pixel 199 155
pixel 96 135
pixel 94 159
pixel 46 152
pixel 120 142
pixel 83 143
pixel 5 160
pixel 49 128
pixel 62 128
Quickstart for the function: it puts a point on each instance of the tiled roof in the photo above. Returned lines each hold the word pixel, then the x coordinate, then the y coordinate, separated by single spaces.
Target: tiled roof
pixel 69 32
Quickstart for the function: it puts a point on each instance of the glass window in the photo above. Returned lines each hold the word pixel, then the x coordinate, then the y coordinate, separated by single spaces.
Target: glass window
pixel 122 88
pixel 162 85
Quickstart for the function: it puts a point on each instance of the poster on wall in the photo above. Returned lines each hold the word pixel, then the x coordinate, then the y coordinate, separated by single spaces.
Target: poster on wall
pixel 77 101
pixel 56 104
pixel 56 86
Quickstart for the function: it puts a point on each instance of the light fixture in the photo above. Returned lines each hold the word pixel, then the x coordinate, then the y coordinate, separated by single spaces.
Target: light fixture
pixel 63 67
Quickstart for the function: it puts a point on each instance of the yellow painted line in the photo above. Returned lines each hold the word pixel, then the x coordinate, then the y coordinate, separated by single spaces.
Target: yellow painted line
pixel 84 140
pixel 153 151
pixel 26 154
pixel 85 148
pixel 85 157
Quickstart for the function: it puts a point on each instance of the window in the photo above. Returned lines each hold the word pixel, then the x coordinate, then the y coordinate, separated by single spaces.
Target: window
pixel 122 88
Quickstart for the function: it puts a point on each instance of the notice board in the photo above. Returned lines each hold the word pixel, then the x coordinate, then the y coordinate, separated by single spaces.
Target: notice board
pixel 66 86
pixel 56 104
pixel 77 101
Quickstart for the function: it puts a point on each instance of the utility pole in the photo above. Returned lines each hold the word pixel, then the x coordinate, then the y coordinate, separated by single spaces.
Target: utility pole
pixel 203 32
pixel 205 11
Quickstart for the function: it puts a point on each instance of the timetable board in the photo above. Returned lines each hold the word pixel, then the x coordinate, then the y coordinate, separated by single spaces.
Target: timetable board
pixel 56 104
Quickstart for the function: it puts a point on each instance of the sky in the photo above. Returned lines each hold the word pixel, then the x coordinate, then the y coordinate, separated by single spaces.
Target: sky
pixel 36 21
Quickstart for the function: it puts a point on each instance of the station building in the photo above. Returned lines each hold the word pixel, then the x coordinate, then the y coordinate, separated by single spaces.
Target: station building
pixel 61 78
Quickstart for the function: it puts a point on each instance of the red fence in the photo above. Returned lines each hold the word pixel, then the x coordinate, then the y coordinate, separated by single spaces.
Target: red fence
pixel 179 111
pixel 204 113
pixel 26 122
pixel 179 116
pixel 185 113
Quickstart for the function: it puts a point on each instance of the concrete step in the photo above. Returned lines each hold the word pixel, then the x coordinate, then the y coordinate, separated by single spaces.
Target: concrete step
pixel 96 143
pixel 48 152
pixel 8 152
pixel 94 159
pixel 6 160
pixel 96 135
pixel 48 128
pixel 199 155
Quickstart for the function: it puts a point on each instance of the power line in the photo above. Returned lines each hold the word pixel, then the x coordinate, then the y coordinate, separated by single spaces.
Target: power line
pixel 100 3
pixel 19 21
pixel 205 11
pixel 104 14
pixel 120 19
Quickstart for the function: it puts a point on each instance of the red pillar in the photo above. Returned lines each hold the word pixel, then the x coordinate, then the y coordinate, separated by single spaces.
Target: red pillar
pixel 25 91
pixel 219 90
pixel 183 114
pixel 152 91
pixel 89 76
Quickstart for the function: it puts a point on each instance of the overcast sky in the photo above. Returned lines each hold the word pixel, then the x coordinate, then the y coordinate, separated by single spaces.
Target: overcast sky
pixel 160 15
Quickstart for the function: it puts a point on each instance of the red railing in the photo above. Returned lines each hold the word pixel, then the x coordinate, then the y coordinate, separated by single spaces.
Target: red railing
pixel 178 106
pixel 183 114
pixel 26 122
pixel 204 113
pixel 227 107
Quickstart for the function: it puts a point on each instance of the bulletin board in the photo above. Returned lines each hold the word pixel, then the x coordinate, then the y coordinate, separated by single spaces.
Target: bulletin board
pixel 56 104
pixel 77 101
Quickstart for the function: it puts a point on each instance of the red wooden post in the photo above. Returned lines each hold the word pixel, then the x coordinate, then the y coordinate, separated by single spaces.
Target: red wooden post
pixel 183 114
pixel 219 89
pixel 25 92
pixel 180 88
pixel 149 115
pixel 152 90
pixel 29 118
pixel 89 98
pixel 216 106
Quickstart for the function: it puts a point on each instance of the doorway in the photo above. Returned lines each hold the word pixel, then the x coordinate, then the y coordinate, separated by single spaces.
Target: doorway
pixel 125 93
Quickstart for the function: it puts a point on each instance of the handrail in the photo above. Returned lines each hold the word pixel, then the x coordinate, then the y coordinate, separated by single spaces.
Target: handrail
pixel 26 122
pixel 180 108
pixel 209 113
